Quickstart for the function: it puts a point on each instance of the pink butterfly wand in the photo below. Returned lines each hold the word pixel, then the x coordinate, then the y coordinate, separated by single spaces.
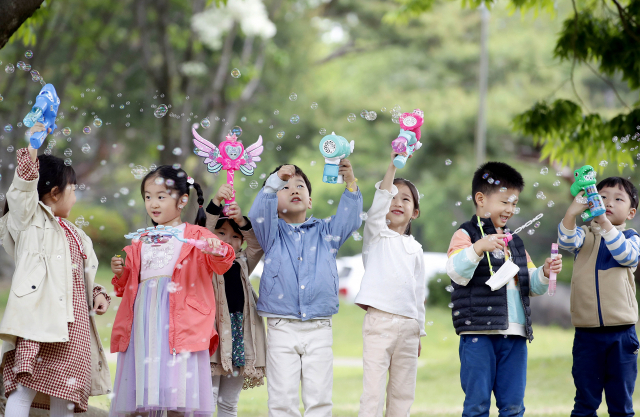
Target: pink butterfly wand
pixel 230 156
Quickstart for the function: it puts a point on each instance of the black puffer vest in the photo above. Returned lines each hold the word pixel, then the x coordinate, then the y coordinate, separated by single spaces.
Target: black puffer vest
pixel 475 306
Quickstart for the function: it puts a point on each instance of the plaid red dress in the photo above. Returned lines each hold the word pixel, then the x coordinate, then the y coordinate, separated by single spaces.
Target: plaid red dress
pixel 62 370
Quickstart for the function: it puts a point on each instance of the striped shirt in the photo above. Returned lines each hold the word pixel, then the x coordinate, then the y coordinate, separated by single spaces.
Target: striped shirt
pixel 624 251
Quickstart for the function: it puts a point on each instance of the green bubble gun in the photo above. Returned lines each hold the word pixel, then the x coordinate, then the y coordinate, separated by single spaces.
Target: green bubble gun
pixel 585 180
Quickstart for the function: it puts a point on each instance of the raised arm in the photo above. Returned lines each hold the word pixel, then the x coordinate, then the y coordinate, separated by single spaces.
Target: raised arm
pixel 22 196
pixel 264 212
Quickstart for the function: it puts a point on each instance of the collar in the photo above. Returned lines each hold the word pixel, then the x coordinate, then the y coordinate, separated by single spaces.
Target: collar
pixel 307 223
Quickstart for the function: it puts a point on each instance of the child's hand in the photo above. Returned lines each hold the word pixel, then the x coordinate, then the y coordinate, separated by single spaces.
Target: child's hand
pixel 235 214
pixel 554 265
pixel 286 172
pixel 225 192
pixel 117 266
pixel 37 127
pixel 100 304
pixel 576 208
pixel 489 243
pixel 213 247
pixel 346 170
pixel 394 154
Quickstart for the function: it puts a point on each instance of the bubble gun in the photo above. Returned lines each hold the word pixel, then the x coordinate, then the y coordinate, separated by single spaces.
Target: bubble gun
pixel 44 111
pixel 585 180
pixel 409 138
pixel 334 148
pixel 162 234
pixel 552 275
pixel 230 156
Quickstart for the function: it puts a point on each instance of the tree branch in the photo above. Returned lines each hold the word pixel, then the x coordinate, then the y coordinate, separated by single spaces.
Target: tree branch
pixel 609 83
pixel 625 21
pixel 13 13
pixel 573 64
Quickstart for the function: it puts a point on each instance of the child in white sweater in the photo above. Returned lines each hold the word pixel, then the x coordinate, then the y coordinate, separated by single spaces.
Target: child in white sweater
pixel 392 291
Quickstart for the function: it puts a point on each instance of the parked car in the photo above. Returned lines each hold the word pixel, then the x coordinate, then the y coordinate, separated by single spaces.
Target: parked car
pixel 351 271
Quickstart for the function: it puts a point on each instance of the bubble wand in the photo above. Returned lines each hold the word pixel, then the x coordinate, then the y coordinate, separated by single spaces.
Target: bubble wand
pixel 230 156
pixel 409 138
pixel 552 275
pixel 162 234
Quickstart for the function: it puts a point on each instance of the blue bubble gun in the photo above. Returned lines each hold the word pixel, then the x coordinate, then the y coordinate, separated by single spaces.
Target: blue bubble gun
pixel 409 138
pixel 44 111
pixel 334 148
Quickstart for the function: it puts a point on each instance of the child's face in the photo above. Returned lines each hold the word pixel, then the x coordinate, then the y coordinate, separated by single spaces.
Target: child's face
pixel 402 208
pixel 294 197
pixel 66 200
pixel 498 206
pixel 161 203
pixel 618 205
pixel 227 235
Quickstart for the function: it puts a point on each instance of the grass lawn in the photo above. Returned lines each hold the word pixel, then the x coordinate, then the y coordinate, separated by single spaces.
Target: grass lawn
pixel 549 392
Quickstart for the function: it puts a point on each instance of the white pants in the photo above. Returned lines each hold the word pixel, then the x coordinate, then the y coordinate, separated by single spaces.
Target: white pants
pixel 390 345
pixel 226 393
pixel 299 355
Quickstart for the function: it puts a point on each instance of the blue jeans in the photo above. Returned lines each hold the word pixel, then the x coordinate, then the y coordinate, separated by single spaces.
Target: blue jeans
pixel 493 363
pixel 604 361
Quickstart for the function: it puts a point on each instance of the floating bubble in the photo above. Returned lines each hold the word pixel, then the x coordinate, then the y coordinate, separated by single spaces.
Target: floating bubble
pixel 68 152
pixel 448 162
pixel 177 151
pixel 9 69
pixel 293 96
pixel 28 54
pixel 278 148
pixel 68 162
pixel 139 171
pixel 205 123
pixel 384 109
pixel 550 203
pixel 66 131
pixel 540 195
pixel 356 236
pixel 449 288
pixel 469 198
pixel 371 116
pixel 536 225
pixel 10 148
pixel 516 210
pixel 314 105
pixel 1 98
pixel 458 203
pixel 454 223
pixel 535 184
pixel 35 76
pixel 467 322
pixel 8 128
pixel 490 180
pixel 276 112
pixel 556 183
pixel 544 171
pixel 581 199
pixel 86 148
pixel 161 111
pixel 530 232
pixel 295 119
pixel 455 313
pixel 97 122
pixel 237 130
pixel 450 305
pixel 323 131
pixel 330 201
pixel 498 254
pixel 86 130
pixel 364 114
pixel 604 163
pixel 254 184
pixel 280 134
pixel 351 117
pixel 235 73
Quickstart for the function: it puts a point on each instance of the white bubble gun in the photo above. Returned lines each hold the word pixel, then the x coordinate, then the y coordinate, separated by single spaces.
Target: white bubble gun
pixel 552 275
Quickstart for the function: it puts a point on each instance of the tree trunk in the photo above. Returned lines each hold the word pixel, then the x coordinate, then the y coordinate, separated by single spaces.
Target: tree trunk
pixel 13 13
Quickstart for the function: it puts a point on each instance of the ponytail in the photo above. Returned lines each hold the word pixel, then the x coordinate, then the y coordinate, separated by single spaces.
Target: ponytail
pixel 201 217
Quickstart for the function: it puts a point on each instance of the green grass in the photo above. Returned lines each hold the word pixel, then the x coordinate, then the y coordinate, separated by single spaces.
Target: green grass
pixel 549 392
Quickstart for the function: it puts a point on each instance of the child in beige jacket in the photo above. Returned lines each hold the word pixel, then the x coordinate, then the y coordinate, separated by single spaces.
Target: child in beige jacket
pixel 240 359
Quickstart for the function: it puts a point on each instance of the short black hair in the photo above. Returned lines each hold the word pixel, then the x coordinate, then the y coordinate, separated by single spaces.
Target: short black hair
pixel 623 183
pixel 491 176
pixel 232 223
pixel 298 172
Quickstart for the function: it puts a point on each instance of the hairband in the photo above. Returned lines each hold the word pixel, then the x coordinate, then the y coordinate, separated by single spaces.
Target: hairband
pixel 190 180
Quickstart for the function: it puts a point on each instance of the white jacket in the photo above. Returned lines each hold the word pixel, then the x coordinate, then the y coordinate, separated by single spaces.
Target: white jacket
pixel 41 298
pixel 394 276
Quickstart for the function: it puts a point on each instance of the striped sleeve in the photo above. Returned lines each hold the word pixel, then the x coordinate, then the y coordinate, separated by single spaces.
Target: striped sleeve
pixel 538 283
pixel 463 259
pixel 624 250
pixel 570 240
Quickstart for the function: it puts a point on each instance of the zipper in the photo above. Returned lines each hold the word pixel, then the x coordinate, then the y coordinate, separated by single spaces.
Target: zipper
pixel 598 262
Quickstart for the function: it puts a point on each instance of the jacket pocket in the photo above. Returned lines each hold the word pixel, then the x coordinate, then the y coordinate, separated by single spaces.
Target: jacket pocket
pixel 29 274
pixel 192 302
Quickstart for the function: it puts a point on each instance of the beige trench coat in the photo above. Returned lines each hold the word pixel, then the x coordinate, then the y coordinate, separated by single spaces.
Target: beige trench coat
pixel 41 298
pixel 255 344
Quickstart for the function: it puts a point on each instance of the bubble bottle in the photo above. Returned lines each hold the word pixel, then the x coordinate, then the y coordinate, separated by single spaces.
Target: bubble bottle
pixel 552 275
pixel 586 181
pixel 45 111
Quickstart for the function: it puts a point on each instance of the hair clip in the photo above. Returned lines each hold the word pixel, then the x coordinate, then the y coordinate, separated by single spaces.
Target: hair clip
pixel 190 180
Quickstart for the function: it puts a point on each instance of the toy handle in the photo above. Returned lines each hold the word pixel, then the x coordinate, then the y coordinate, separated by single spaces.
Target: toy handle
pixel 552 275
pixel 230 175
pixel 507 239
pixel 202 244
pixel 400 161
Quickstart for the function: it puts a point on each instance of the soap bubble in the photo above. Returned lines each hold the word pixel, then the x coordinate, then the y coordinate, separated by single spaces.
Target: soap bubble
pixel 530 232
pixel 28 54
pixel 581 199
pixel 556 183
pixel 276 112
pixel 103 199
pixel 205 123
pixel 364 215
pixel 295 119
pixel 8 128
pixel 351 117
pixel 503 189
pixel 516 210
pixel 604 163
pixel 371 116
pixel 540 195
pixel 469 198
pixel 544 171
pixel 450 305
pixel 456 313
pixel 177 151
pixel 237 130
pixel 449 288
pixel 161 111
pixel 467 322
pixel 458 203
pixel 536 225
pixel 139 171
pixel 356 236
pixel 1 98
pixel 293 96
pixel 474 340
pixel 278 148
pixel 280 134
pixel 448 162
pixel 490 180
pixel 35 76
pixel 454 223
pixel 10 148
pixel 550 203
pixel 535 184
pixel 86 148
pixel 68 152
pixel 9 69
pixel 254 184
pixel 97 122
pixel 323 131
pixel 498 254
pixel 66 131
pixel 86 130
pixel 68 162
pixel 121 106
pixel 314 105
pixel 235 73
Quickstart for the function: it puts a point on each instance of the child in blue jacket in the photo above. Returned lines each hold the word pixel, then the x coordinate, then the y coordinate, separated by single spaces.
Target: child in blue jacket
pixel 299 286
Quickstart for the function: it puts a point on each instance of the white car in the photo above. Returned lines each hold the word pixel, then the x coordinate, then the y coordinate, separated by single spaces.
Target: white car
pixel 351 271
